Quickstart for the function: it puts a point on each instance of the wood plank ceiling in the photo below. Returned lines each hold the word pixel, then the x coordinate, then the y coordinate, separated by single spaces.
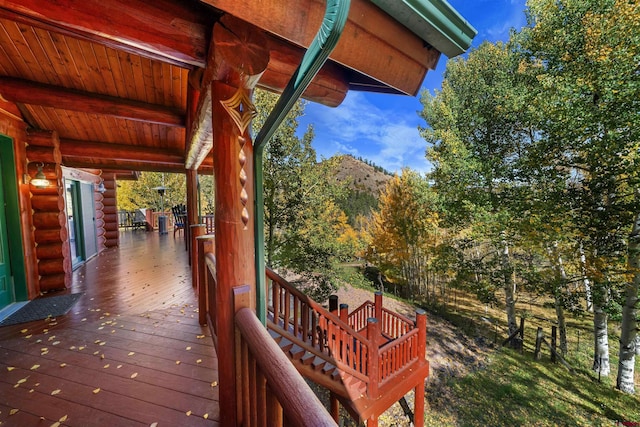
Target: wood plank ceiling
pixel 111 76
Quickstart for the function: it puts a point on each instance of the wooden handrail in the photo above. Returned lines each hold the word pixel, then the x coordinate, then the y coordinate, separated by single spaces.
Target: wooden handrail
pixel 267 365
pixel 316 329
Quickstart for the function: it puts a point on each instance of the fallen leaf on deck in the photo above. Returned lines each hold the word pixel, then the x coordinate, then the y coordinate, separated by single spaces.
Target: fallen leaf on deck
pixel 95 353
pixel 10 368
pixel 62 365
pixel 102 356
pixel 28 336
pixel 188 348
pixel 24 331
pixel 199 337
pixel 96 391
pixel 56 391
pixel 188 413
pixel 119 366
pixel 23 380
pixel 34 367
pixel 63 419
pixel 96 342
pixel 105 366
pixel 56 342
pixel 199 361
pixel 177 362
pixel 135 374
pixel 205 416
pixel 214 384
pixel 154 425
pixel 13 411
pixel 131 353
pixel 56 424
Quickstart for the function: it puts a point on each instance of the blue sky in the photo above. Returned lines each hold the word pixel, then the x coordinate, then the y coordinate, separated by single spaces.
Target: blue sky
pixel 384 128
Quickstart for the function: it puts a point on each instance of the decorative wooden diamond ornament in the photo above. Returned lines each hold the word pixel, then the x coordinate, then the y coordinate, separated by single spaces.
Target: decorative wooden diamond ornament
pixel 240 108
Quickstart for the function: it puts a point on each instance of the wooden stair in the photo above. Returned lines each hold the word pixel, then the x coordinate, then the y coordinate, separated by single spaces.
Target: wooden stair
pixel 365 374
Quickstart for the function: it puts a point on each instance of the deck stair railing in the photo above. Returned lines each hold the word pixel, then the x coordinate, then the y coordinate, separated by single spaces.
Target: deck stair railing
pixel 272 392
pixel 369 359
pixel 366 366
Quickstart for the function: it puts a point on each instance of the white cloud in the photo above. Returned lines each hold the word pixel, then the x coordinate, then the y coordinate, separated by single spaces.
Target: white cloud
pixel 379 133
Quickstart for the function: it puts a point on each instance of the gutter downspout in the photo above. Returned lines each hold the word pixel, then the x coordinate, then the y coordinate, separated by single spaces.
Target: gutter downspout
pixel 321 47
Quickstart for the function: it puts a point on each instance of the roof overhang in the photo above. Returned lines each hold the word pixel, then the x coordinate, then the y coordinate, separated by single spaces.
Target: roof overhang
pixel 434 21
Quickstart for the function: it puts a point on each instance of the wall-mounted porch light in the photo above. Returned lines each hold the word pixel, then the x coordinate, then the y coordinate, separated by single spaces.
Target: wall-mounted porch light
pixel 40 180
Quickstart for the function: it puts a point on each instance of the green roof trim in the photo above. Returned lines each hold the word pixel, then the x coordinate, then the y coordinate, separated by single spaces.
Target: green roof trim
pixel 434 21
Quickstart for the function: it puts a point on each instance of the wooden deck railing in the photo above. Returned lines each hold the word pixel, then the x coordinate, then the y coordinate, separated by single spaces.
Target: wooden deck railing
pixel 348 341
pixel 387 347
pixel 272 392
pixel 208 221
pixel 316 329
pixel 392 324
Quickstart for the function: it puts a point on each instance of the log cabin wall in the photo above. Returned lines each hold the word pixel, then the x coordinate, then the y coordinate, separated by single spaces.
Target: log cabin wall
pixel 49 219
pixel 110 210
pixel 12 125
pixel 98 214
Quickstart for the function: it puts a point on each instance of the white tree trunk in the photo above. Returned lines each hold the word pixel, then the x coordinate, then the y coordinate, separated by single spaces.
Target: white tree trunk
pixel 585 281
pixel 637 343
pixel 561 278
pixel 509 289
pixel 600 340
pixel 628 334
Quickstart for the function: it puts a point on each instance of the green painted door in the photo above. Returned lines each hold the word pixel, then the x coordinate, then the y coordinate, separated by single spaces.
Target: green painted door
pixel 7 292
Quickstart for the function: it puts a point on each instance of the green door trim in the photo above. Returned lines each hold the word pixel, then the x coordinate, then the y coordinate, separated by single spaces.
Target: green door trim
pixel 14 228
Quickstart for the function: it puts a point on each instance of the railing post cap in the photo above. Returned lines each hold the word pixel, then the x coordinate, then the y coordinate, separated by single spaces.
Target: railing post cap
pixel 420 312
pixel 372 320
pixel 344 305
pixel 378 293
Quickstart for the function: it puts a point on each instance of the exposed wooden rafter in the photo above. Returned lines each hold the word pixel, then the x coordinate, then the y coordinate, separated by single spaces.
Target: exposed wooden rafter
pixel 26 92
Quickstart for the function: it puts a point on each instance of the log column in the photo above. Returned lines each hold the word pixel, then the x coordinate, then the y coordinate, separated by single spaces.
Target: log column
pixel 49 218
pixel 237 59
pixel 110 210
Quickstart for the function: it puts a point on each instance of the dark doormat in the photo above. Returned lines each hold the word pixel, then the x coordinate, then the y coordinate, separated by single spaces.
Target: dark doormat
pixel 41 308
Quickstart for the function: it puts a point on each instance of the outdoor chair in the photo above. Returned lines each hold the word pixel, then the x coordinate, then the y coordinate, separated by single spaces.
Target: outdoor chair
pixel 179 218
pixel 139 220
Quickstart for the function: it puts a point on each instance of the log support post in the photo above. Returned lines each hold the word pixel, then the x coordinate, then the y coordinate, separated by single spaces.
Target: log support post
pixel 373 335
pixel 378 305
pixel 195 231
pixel 344 313
pixel 237 58
pixel 192 211
pixel 418 406
pixel 333 304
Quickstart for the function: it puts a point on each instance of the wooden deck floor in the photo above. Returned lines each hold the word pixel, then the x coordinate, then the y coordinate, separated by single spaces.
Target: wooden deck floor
pixel 129 353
